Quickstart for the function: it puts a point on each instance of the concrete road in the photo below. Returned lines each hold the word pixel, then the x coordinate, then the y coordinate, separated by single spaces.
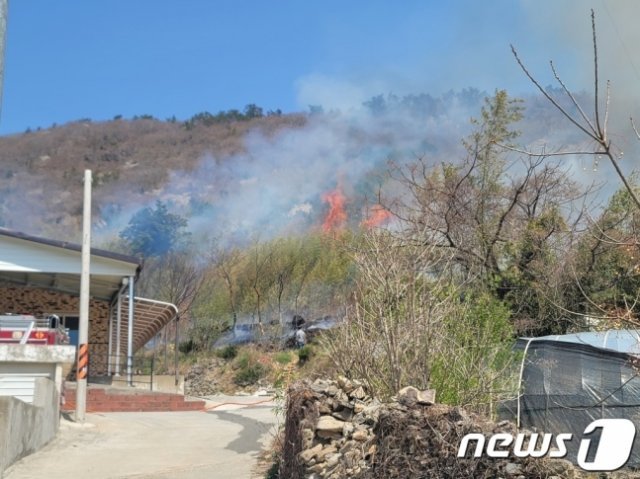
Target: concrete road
pixel 221 443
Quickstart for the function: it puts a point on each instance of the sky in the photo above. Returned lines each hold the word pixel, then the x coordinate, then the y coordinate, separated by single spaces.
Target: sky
pixel 74 59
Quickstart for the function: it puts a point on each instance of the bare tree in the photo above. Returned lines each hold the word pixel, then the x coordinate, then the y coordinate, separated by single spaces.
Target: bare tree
pixel 609 235
pixel 387 333
pixel 504 218
pixel 261 256
pixel 408 323
pixel 177 279
pixel 594 126
pixel 225 263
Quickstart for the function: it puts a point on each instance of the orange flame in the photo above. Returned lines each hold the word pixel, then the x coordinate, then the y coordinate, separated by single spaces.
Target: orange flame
pixel 337 216
pixel 378 216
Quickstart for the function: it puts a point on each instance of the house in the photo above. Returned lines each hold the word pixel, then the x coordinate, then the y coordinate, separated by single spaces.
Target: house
pixel 41 276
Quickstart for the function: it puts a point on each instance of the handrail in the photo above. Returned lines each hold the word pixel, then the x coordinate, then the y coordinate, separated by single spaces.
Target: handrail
pixel 140 366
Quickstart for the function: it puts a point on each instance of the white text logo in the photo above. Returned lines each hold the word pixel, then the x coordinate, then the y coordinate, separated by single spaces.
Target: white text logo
pixel 614 448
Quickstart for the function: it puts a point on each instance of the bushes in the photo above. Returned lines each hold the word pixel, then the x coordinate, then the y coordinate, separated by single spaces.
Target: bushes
pixel 249 369
pixel 283 357
pixel 470 369
pixel 304 354
pixel 250 375
pixel 186 347
pixel 228 352
pixel 266 281
pixel 410 326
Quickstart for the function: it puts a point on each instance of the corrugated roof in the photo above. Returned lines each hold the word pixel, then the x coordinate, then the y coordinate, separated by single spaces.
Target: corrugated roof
pixel 150 316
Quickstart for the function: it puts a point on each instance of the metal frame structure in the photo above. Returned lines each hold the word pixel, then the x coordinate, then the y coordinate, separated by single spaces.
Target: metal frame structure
pixel 148 317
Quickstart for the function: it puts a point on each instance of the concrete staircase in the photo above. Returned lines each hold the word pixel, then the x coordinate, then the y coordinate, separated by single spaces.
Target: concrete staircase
pixel 102 398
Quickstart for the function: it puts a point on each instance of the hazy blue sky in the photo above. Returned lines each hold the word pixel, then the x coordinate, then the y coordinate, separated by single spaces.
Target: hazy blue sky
pixel 71 59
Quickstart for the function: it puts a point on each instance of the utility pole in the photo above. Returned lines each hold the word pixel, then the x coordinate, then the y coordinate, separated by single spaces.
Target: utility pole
pixel 4 11
pixel 82 368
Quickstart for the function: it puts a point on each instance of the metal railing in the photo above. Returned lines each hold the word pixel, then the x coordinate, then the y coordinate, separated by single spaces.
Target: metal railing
pixel 143 370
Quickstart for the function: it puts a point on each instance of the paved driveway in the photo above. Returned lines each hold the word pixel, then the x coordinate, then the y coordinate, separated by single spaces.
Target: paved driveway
pixel 221 443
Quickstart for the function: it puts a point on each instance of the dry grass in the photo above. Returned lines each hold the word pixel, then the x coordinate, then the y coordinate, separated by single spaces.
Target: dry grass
pixel 130 159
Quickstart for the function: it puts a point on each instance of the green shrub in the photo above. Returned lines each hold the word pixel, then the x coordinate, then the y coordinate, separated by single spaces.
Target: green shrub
pixel 249 370
pixel 304 354
pixel 474 372
pixel 250 374
pixel 283 357
pixel 186 347
pixel 242 361
pixel 228 352
pixel 273 472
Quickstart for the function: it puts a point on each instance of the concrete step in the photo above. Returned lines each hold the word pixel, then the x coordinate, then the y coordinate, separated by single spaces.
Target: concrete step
pixel 109 399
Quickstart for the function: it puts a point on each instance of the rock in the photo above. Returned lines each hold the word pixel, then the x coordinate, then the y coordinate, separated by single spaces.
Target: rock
pixel 333 460
pixel 427 397
pixel 347 446
pixel 360 435
pixel 513 469
pixel 326 451
pixel 320 386
pixel 560 467
pixel 343 414
pixel 332 436
pixel 332 390
pixel 341 441
pixel 342 399
pixel 307 438
pixel 409 395
pixel 345 384
pixel 358 393
pixel 310 454
pixel 318 468
pixel 329 424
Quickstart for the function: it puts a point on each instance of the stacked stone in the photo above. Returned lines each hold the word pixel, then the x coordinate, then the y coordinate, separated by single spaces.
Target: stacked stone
pixel 199 383
pixel 341 443
pixel 335 429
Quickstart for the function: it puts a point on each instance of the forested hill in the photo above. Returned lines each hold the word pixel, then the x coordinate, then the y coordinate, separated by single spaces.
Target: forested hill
pixel 245 172
pixel 41 170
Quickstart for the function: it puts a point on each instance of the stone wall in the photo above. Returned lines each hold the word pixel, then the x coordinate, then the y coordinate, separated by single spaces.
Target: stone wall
pixel 335 429
pixel 40 302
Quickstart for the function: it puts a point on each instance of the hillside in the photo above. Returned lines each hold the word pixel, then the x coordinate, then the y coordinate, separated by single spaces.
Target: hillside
pixel 41 171
pixel 239 176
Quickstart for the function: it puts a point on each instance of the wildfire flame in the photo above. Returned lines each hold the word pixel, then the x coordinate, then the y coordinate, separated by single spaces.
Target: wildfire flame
pixel 336 216
pixel 377 217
